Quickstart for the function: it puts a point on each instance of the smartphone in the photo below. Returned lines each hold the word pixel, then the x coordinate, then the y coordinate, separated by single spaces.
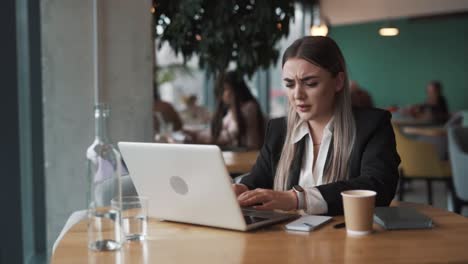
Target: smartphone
pixel 307 223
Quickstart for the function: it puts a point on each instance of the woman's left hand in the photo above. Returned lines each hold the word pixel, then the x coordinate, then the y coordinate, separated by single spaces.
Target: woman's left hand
pixel 265 199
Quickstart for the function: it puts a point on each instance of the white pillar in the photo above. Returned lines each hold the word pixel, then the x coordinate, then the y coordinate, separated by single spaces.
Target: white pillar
pixel 69 96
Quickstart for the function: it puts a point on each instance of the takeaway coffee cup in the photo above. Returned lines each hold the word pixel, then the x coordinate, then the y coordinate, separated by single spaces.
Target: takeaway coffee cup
pixel 358 211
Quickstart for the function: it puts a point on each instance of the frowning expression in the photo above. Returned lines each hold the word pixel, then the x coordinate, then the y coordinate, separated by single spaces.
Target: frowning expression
pixel 311 89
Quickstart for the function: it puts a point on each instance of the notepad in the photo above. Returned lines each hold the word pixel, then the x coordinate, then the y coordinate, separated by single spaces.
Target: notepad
pixel 307 223
pixel 401 218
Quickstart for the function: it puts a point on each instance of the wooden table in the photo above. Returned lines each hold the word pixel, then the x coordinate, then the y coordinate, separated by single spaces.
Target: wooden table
pixel 405 120
pixel 182 243
pixel 430 131
pixel 239 162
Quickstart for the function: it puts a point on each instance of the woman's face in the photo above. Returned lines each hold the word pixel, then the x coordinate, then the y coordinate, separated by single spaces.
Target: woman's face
pixel 311 89
pixel 228 95
pixel 432 94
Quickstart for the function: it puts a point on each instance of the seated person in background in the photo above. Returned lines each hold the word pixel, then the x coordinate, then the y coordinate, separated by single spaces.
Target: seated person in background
pixel 324 146
pixel 435 108
pixel 359 96
pixel 166 111
pixel 238 120
pixel 194 114
pixel 435 111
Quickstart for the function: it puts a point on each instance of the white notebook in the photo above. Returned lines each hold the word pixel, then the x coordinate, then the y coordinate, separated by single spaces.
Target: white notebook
pixel 307 223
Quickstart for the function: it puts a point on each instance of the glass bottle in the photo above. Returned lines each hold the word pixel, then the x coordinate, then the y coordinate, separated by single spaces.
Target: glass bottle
pixel 104 170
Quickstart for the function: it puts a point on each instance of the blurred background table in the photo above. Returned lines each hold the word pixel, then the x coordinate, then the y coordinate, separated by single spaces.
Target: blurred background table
pixel 406 120
pixel 430 131
pixel 239 162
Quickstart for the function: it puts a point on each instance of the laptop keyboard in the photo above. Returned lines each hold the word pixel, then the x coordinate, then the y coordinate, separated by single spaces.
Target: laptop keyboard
pixel 252 216
pixel 249 219
pixel 259 213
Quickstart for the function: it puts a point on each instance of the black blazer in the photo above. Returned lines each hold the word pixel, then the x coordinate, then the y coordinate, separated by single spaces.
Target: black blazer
pixel 373 163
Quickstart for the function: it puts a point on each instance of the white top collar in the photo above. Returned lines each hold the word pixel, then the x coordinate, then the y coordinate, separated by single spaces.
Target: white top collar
pixel 302 129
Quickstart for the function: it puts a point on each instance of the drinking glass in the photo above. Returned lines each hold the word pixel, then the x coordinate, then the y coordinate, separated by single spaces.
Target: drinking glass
pixel 134 215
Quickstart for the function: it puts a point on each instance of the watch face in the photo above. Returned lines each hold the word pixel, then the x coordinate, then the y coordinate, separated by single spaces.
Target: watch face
pixel 298 188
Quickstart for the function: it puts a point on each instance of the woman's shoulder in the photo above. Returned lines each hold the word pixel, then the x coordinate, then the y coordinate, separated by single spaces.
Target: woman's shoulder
pixel 278 124
pixel 370 120
pixel 277 128
pixel 368 115
pixel 276 134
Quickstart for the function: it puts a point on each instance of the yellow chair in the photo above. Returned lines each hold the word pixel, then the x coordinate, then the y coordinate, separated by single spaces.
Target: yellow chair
pixel 419 161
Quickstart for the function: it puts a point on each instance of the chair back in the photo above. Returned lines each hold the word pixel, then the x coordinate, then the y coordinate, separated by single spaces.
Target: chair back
pixel 458 150
pixel 464 122
pixel 418 158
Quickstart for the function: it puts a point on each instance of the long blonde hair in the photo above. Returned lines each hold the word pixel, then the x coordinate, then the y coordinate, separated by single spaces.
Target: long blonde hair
pixel 323 52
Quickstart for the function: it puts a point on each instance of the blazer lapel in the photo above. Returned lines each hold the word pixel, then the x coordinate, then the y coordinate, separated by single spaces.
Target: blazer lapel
pixel 296 165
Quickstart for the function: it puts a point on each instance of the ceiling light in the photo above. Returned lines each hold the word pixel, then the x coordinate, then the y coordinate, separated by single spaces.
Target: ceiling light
pixel 389 31
pixel 319 30
pixel 319 24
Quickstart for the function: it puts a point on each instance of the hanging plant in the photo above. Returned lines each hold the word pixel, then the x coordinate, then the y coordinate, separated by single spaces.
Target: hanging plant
pixel 220 32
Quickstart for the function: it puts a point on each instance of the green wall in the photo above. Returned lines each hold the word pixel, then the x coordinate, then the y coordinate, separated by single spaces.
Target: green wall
pixel 395 70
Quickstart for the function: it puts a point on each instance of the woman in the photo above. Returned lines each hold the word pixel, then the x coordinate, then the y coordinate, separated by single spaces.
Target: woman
pixel 435 107
pixel 324 146
pixel 238 120
pixel 434 110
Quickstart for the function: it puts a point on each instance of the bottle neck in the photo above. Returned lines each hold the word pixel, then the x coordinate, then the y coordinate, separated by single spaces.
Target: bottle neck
pixel 101 119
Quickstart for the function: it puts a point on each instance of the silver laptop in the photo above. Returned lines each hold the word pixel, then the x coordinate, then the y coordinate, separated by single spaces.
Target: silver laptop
pixel 190 184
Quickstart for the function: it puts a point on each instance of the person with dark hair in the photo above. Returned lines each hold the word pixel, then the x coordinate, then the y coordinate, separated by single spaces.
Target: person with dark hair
pixel 164 112
pixel 324 146
pixel 434 110
pixel 238 121
pixel 360 97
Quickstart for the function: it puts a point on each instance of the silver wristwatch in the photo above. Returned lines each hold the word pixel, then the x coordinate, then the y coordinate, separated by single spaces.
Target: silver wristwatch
pixel 300 196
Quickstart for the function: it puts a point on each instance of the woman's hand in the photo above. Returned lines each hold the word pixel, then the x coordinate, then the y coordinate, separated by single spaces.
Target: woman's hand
pixel 265 199
pixel 239 189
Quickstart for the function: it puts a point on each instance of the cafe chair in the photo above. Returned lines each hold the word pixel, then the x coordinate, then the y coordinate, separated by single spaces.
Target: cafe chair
pixel 455 120
pixel 420 161
pixel 128 189
pixel 458 150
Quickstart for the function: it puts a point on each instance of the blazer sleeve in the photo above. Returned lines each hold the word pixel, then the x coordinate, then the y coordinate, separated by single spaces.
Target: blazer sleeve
pixel 378 170
pixel 262 173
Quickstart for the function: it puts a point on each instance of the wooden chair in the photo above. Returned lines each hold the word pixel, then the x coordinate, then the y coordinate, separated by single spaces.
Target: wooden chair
pixel 420 161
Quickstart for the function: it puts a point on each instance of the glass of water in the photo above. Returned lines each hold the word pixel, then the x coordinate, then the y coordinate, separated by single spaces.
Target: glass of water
pixel 134 215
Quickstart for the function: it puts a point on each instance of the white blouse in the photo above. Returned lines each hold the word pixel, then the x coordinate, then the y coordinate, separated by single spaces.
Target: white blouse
pixel 230 128
pixel 311 176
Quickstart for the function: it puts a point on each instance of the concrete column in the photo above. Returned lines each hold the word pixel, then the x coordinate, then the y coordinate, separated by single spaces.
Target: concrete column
pixel 126 68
